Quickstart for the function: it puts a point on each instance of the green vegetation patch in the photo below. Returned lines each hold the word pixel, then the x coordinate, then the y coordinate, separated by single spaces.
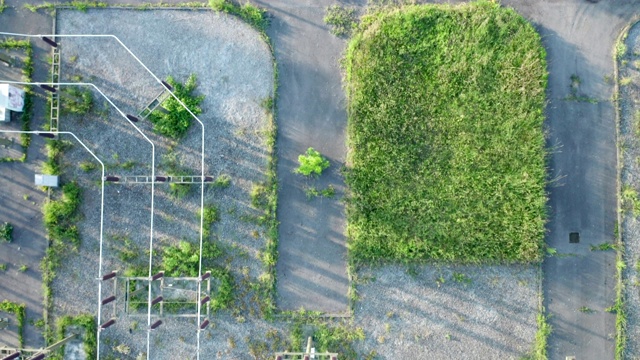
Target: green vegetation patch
pixel 6 232
pixel 173 120
pixel 447 156
pixel 20 312
pixel 86 328
pixel 27 74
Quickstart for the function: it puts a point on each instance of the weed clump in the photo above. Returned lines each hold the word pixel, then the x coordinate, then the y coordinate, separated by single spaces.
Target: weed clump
pixel 312 163
pixel 173 120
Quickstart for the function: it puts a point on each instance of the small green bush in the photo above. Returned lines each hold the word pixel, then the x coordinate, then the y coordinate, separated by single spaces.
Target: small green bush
pixel 179 191
pixel 312 163
pixel 87 166
pixel 60 216
pixel 222 182
pixel 211 216
pixel 259 196
pixel 6 232
pixel 183 260
pixel 76 100
pixel 175 120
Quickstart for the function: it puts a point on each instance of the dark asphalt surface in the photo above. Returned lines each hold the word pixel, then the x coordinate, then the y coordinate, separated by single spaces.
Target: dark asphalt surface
pixel 311 270
pixel 16 180
pixel 579 37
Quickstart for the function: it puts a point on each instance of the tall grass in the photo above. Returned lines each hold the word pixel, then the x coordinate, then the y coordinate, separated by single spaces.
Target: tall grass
pixel 447 157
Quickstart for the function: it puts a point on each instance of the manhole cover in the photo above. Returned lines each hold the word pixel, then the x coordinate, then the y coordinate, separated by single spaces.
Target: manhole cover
pixel 574 237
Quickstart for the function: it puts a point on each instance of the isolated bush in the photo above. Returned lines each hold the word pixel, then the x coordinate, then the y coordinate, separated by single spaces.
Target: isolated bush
pixel 311 163
pixel 6 232
pixel 184 260
pixel 175 120
pixel 76 100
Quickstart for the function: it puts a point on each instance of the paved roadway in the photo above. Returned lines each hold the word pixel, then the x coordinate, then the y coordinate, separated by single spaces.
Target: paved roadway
pixel 579 37
pixel 311 269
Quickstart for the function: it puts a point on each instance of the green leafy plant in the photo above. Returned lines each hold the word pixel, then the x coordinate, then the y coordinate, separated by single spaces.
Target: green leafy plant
pixel 222 182
pixel 251 14
pixel 341 19
pixel 88 166
pixel 211 216
pixel 174 120
pixel 630 199
pixel 6 232
pixel 461 278
pixel 76 100
pixel 602 247
pixel 311 163
pixel 20 312
pixel 3 267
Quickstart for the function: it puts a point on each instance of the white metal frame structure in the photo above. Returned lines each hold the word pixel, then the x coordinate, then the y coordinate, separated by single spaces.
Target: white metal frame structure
pixel 103 174
pixel 199 326
pixel 102 178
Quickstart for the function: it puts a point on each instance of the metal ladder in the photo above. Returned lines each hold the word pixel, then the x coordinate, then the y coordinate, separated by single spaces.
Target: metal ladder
pixel 159 99
pixel 136 179
pixel 55 96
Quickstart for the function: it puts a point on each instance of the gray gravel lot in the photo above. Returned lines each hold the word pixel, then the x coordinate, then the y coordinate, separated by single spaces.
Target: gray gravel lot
pixel 235 73
pixel 629 70
pixel 449 312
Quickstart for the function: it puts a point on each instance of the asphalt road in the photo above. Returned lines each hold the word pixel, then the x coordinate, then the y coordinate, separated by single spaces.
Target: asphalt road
pixel 579 37
pixel 311 269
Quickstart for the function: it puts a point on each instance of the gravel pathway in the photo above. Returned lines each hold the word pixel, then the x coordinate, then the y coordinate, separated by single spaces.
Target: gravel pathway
pixel 629 73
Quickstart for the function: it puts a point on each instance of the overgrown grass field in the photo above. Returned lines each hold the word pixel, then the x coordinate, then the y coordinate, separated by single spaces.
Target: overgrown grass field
pixel 446 145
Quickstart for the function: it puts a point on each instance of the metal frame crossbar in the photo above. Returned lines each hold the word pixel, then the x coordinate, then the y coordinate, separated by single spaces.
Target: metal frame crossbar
pixel 308 354
pixel 143 179
pixel 161 293
pixel 153 104
pixel 55 96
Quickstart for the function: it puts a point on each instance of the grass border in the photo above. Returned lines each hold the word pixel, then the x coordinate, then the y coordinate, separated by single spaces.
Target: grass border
pixel 89 340
pixel 86 5
pixel 20 311
pixel 619 304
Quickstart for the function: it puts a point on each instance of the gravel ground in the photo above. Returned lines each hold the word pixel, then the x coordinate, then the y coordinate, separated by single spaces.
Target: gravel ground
pixel 234 70
pixel 448 312
pixel 630 149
